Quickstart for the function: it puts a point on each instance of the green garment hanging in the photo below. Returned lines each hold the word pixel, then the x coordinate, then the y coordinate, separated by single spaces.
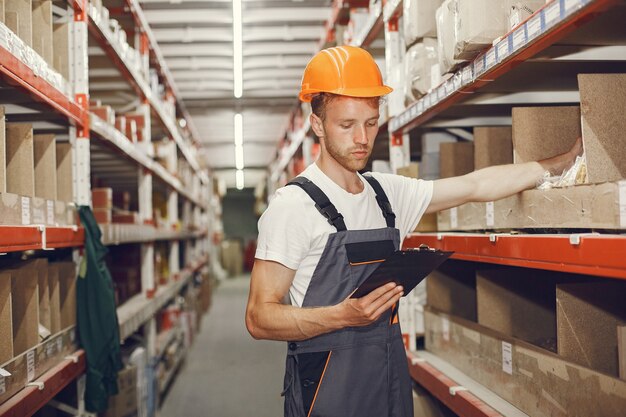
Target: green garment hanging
pixel 98 328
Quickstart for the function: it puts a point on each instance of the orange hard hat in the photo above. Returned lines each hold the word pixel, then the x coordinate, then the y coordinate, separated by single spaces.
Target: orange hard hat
pixel 344 70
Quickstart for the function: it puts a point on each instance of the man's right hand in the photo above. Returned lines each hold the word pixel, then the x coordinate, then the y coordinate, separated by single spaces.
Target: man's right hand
pixel 356 312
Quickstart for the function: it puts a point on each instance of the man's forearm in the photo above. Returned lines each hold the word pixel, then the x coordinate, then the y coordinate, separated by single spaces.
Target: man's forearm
pixel 276 321
pixel 497 182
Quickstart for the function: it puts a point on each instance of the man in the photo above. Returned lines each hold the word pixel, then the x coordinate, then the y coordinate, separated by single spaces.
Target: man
pixel 320 238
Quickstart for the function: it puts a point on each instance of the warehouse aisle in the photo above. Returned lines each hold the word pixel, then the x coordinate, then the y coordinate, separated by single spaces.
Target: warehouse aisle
pixel 227 373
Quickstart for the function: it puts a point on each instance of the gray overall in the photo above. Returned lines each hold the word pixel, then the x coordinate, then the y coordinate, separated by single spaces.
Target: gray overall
pixel 359 371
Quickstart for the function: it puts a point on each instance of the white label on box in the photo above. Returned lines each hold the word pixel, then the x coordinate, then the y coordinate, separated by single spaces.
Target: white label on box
pixel 534 26
pixel 490 58
pixel 59 344
pixel 445 328
pixel 502 49
pixel 622 203
pixel 4 373
pixel 72 335
pixel 50 212
pixel 454 218
pixel 25 210
pixel 519 38
pixel 552 13
pixel 507 358
pixel 38 215
pixel 489 214
pixel 2 386
pixel 30 366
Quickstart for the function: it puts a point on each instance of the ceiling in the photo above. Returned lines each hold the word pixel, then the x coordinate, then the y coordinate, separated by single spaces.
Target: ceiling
pixel 279 38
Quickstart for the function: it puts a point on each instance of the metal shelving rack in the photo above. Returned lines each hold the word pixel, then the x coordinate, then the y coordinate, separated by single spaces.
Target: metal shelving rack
pixel 466 99
pixel 96 143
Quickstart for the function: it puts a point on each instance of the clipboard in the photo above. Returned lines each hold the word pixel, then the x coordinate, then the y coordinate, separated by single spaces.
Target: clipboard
pixel 407 268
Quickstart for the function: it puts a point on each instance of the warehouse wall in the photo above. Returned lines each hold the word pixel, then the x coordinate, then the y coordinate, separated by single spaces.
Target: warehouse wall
pixel 238 214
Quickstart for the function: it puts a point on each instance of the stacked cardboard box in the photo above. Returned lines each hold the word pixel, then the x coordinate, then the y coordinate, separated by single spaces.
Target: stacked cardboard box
pixel 526 334
pixel 102 200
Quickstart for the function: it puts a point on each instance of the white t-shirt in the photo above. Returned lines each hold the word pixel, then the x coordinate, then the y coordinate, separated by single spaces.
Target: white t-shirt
pixel 294 233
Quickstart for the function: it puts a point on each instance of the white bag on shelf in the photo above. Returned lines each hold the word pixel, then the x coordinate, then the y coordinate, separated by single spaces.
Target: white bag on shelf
pixel 519 11
pixel 419 19
pixel 418 64
pixel 446 38
pixel 477 24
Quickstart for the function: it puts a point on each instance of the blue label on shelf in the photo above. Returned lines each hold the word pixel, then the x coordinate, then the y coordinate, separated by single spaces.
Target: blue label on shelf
pixel 534 27
pixel 490 59
pixel 552 13
pixel 503 49
pixel 467 76
pixel 519 38
pixel 479 66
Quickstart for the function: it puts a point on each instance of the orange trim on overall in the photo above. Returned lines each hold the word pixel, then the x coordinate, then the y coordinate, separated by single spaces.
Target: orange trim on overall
pixel 394 314
pixel 367 262
pixel 320 383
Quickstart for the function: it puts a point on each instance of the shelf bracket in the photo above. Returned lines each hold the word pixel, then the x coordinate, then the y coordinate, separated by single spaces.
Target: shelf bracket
pixel 454 390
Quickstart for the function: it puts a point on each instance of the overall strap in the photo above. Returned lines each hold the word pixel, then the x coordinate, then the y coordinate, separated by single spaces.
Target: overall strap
pixel 383 201
pixel 322 203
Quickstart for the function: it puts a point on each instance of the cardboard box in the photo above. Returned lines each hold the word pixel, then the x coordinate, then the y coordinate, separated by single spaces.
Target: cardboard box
pixel 45 166
pixel 64 176
pixel 105 113
pixel 452 289
pixel 42 30
pixel 25 302
pixel 40 268
pixel 54 292
pixel 536 381
pixel 19 18
pixel 6 320
pixel 419 17
pixel 14 209
pixel 409 171
pixel 520 303
pixel 544 132
pixel 103 216
pixel 428 223
pixel 125 217
pixel 588 316
pixel 478 23
pixel 131 130
pixel 492 146
pixel 3 153
pixel 20 164
pixel 456 159
pixel 102 198
pixel 67 292
pixel 124 404
pixel 60 37
pixel 419 61
pixel 602 99
pixel 592 206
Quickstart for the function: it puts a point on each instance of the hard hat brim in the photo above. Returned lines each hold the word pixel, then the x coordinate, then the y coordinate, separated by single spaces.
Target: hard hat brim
pixel 307 95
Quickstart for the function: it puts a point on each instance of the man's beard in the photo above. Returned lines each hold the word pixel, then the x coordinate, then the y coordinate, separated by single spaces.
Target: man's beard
pixel 346 159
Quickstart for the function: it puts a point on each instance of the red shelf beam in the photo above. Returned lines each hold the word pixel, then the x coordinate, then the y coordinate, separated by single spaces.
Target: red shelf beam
pixel 26 402
pixel 557 33
pixel 598 255
pixel 462 403
pixel 20 238
pixel 17 73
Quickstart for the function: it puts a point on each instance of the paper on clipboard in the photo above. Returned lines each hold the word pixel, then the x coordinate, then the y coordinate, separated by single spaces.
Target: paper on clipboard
pixel 407 268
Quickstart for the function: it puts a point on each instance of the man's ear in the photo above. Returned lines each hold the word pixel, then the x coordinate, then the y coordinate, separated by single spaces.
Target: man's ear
pixel 317 125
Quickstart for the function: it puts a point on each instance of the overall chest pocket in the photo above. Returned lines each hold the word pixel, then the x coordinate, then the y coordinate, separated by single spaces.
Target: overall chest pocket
pixel 362 253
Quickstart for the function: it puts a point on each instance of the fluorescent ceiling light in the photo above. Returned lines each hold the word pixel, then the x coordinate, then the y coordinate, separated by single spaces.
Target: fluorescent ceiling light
pixel 237 49
pixel 239 156
pixel 240 179
pixel 238 119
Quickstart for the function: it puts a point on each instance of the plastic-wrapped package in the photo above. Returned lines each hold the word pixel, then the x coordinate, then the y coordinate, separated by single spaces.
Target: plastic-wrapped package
pixel 519 11
pixel 576 175
pixel 419 19
pixel 478 23
pixel 419 61
pixel 446 17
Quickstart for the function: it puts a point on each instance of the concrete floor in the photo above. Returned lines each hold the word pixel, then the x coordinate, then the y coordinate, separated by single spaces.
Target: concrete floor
pixel 227 373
